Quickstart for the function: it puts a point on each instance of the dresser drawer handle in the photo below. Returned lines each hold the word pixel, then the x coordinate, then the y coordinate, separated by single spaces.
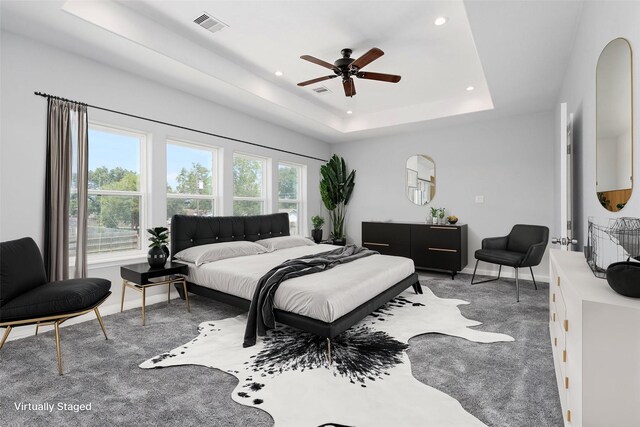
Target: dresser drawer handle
pixel 443 250
pixel 375 244
pixel 564 356
pixel 568 415
pixel 554 317
pixel 566 382
pixel 566 325
pixel 553 297
pixel 444 228
pixel 555 342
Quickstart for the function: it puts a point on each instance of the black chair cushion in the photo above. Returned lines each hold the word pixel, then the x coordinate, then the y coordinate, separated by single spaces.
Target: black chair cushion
pixel 522 236
pixel 497 256
pixel 21 268
pixel 65 296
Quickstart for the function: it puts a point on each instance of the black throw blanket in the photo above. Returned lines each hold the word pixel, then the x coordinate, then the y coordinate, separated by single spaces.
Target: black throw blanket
pixel 261 315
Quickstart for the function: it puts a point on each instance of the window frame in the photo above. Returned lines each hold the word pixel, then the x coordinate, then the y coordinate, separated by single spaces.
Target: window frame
pixel 215 175
pixel 142 193
pixel 301 193
pixel 266 208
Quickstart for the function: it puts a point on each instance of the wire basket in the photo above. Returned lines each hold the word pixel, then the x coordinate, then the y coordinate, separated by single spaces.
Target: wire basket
pixel 616 241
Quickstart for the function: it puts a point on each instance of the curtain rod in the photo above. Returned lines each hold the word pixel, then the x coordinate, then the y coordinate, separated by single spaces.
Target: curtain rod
pixel 46 95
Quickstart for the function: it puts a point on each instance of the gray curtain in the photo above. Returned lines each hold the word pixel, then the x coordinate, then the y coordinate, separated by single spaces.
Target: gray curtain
pixel 66 127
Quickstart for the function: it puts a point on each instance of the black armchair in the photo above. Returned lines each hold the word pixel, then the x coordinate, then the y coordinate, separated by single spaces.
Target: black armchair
pixel 27 299
pixel 523 247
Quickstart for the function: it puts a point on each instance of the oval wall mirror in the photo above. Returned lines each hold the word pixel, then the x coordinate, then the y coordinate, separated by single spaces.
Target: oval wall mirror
pixel 614 125
pixel 421 179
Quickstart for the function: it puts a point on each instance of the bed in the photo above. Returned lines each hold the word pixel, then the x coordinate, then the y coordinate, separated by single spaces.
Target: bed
pixel 300 302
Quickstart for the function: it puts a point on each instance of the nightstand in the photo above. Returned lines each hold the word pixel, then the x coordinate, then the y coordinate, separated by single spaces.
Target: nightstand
pixel 141 276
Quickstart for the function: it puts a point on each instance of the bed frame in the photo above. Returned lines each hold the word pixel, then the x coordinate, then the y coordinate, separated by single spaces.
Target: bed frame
pixel 189 231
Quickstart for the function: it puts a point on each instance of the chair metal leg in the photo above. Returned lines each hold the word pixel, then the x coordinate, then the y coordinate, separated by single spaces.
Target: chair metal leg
pixel 57 329
pixel 484 281
pixel 517 287
pixel 534 279
pixel 37 326
pixel 104 331
pixel 5 336
pixel 169 294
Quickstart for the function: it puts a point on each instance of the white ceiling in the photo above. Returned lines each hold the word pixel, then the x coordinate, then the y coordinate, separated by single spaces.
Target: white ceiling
pixel 520 47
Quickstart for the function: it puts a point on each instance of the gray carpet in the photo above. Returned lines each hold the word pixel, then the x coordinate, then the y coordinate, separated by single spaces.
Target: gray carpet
pixel 503 384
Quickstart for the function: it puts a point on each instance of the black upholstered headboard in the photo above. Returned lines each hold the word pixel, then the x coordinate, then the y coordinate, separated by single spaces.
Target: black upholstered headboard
pixel 188 231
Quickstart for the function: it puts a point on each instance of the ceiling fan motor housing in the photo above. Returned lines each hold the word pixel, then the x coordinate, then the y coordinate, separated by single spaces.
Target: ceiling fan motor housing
pixel 343 64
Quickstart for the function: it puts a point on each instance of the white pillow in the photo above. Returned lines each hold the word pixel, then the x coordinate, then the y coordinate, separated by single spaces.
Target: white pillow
pixel 284 242
pixel 216 251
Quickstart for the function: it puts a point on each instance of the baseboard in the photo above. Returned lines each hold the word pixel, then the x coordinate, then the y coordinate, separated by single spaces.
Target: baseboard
pixel 507 272
pixel 111 306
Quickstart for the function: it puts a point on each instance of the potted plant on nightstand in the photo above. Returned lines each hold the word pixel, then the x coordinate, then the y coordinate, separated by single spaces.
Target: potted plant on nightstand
pixel 316 233
pixel 158 254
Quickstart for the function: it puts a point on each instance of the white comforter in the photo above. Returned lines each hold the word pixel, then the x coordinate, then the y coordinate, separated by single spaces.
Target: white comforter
pixel 323 296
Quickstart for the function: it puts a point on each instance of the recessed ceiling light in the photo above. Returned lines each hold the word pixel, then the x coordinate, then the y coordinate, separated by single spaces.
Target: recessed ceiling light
pixel 349 112
pixel 440 20
pixel 470 88
pixel 278 73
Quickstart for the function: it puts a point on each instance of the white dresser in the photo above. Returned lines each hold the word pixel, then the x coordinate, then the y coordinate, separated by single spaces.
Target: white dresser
pixel 595 336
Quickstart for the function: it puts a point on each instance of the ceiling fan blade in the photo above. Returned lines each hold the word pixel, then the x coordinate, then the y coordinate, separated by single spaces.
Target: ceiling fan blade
pixel 367 58
pixel 319 79
pixel 318 61
pixel 391 78
pixel 349 87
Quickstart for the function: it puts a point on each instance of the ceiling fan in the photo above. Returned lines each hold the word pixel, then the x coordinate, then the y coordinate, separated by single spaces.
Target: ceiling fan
pixel 347 67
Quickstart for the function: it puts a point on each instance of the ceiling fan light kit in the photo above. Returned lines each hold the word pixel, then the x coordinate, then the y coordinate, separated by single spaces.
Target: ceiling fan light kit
pixel 347 68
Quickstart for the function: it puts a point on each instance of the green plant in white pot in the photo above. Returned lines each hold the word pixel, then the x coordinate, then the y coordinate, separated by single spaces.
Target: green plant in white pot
pixel 336 187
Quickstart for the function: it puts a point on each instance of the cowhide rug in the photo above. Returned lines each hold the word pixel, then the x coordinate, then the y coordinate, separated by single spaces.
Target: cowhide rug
pixel 369 382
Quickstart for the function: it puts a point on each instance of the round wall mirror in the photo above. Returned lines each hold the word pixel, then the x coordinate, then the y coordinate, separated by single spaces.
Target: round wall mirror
pixel 614 125
pixel 421 179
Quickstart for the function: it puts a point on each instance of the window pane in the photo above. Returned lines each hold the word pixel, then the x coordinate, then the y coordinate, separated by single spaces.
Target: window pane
pixel 114 223
pixel 247 177
pixel 247 207
pixel 190 170
pixel 114 161
pixel 292 209
pixel 288 181
pixel 189 206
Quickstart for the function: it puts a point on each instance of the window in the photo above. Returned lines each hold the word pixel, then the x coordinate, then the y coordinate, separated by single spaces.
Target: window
pixel 290 194
pixel 191 179
pixel 115 196
pixel 249 184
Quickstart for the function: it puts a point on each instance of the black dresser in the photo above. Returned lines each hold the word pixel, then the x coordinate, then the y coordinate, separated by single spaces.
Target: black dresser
pixel 430 246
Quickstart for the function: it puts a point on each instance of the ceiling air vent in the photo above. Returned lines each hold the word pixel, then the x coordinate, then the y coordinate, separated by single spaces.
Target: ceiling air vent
pixel 210 23
pixel 321 89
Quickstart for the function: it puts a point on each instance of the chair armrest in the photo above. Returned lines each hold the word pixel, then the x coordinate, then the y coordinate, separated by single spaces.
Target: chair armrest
pixel 534 255
pixel 495 242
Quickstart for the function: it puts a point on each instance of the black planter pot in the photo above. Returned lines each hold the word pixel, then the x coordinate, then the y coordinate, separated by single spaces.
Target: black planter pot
pixel 624 278
pixel 317 235
pixel 156 257
pixel 166 250
pixel 340 242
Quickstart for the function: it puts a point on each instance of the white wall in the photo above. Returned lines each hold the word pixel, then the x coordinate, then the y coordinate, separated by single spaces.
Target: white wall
pixel 509 161
pixel 28 66
pixel 600 23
